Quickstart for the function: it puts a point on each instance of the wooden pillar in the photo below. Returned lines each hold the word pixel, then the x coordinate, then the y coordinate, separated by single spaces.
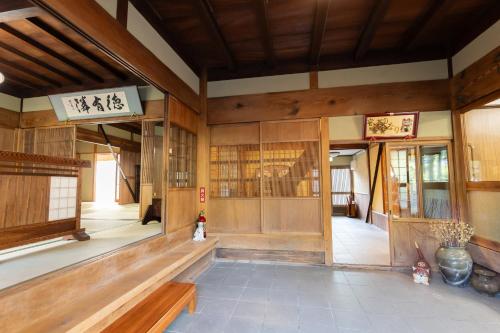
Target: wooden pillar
pixel 313 80
pixel 326 197
pixel 165 155
pixel 203 148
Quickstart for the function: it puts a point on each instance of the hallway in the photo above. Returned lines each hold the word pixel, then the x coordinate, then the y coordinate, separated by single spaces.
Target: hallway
pixel 358 243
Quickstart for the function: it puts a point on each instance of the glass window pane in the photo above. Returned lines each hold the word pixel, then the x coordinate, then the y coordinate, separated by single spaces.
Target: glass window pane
pixel 404 190
pixel 435 182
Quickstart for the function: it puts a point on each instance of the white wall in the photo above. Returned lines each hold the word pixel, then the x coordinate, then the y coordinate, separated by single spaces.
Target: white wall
pixel 147 35
pixel 10 102
pixel 417 71
pixel 257 85
pixel 430 124
pixel 479 47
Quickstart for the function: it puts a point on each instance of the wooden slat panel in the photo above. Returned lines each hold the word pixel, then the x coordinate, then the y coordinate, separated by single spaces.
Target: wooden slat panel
pixel 28 202
pixel 234 215
pixel 148 131
pixel 58 141
pixel 128 161
pixel 8 138
pixel 181 209
pixel 292 215
pixel 290 131
pixel 328 102
pixel 235 134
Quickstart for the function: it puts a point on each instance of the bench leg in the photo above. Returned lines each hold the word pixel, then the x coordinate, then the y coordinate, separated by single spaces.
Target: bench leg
pixel 192 305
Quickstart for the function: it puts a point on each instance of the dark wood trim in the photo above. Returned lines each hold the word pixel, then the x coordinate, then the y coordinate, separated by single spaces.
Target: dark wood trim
pixel 369 30
pixel 349 146
pixel 122 12
pixel 40 63
pixel 83 134
pixel 145 8
pixel 411 36
pixel 208 17
pixel 113 39
pixel 46 28
pixel 313 80
pixel 487 186
pixel 24 83
pixel 265 33
pixel 34 43
pixel 318 31
pixel 129 127
pixel 487 243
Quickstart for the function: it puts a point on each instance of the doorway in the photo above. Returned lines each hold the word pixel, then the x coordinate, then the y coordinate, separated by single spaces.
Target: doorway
pixel 357 238
pixel 106 179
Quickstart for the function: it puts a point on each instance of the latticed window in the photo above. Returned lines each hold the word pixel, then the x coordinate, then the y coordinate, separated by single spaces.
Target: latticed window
pixel 291 169
pixel 235 171
pixel 182 158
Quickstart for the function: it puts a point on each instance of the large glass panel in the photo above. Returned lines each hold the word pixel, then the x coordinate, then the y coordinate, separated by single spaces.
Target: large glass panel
pixel 435 183
pixel 404 190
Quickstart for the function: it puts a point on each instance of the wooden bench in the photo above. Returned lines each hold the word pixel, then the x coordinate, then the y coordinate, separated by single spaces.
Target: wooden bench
pixel 158 310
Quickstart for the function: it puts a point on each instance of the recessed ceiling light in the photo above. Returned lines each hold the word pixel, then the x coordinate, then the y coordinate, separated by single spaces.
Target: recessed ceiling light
pixel 2 77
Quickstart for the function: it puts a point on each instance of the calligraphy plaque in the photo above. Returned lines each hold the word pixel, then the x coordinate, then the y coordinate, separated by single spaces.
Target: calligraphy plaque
pixel 391 126
pixel 114 102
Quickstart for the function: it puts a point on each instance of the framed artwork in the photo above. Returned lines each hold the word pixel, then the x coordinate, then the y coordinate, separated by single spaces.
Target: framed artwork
pixel 114 102
pixel 391 126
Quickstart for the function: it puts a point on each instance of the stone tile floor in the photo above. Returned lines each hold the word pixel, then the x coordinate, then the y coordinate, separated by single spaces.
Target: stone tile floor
pixel 261 298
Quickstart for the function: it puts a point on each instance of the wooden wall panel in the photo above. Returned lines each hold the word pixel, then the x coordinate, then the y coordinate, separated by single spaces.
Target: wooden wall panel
pixel 362 202
pixel 234 215
pixel 292 215
pixel 285 242
pixel 27 202
pixel 328 102
pixel 235 134
pixel 57 141
pixel 128 161
pixel 146 199
pixel 8 139
pixel 307 130
pixel 182 116
pixel 181 209
pixel 147 151
pixel 404 235
pixel 9 119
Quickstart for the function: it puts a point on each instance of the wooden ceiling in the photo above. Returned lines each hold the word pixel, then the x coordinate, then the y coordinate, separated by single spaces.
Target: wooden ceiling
pixel 39 55
pixel 244 38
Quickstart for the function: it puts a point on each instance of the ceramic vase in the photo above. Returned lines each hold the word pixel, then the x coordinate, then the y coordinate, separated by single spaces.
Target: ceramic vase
pixel 455 265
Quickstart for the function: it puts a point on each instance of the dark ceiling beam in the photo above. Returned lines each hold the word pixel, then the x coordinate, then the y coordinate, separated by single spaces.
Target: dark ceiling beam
pixel 32 42
pixel 30 72
pixel 265 32
pixel 208 17
pixel 412 35
pixel 153 17
pixel 129 127
pixel 475 26
pixel 46 28
pixel 376 17
pixel 318 32
pixel 40 63
pixel 20 82
pixel 87 86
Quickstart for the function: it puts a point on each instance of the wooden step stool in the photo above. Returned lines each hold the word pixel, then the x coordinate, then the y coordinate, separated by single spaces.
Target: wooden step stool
pixel 157 311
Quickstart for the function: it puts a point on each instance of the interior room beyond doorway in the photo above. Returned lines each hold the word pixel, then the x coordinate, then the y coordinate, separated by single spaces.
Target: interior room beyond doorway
pixel 356 239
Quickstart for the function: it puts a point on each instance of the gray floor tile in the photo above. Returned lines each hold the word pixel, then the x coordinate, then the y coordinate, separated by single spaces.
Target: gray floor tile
pixel 256 311
pixel 243 325
pixel 256 295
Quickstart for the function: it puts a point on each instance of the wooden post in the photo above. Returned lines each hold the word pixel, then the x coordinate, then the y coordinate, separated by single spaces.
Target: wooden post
pixel 326 195
pixel 375 176
pixel 203 149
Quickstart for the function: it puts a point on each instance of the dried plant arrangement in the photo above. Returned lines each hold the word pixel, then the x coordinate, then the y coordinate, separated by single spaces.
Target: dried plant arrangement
pixel 452 234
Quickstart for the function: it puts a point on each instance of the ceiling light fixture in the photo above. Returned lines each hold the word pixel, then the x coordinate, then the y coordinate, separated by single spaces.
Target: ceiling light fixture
pixel 2 77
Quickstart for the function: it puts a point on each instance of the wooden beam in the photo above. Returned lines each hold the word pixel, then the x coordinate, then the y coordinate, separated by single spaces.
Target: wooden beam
pixel 207 15
pixel 112 38
pixel 129 127
pixel 30 72
pixel 87 135
pixel 40 63
pixel 265 32
pixel 122 12
pixel 318 31
pixel 17 81
pixel 151 15
pixel 46 28
pixel 327 102
pixel 369 30
pixel 9 119
pixel 412 35
pixel 326 194
pixel 34 43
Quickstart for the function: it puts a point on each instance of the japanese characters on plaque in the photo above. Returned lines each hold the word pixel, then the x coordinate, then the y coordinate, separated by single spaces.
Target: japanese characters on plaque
pixel 97 103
